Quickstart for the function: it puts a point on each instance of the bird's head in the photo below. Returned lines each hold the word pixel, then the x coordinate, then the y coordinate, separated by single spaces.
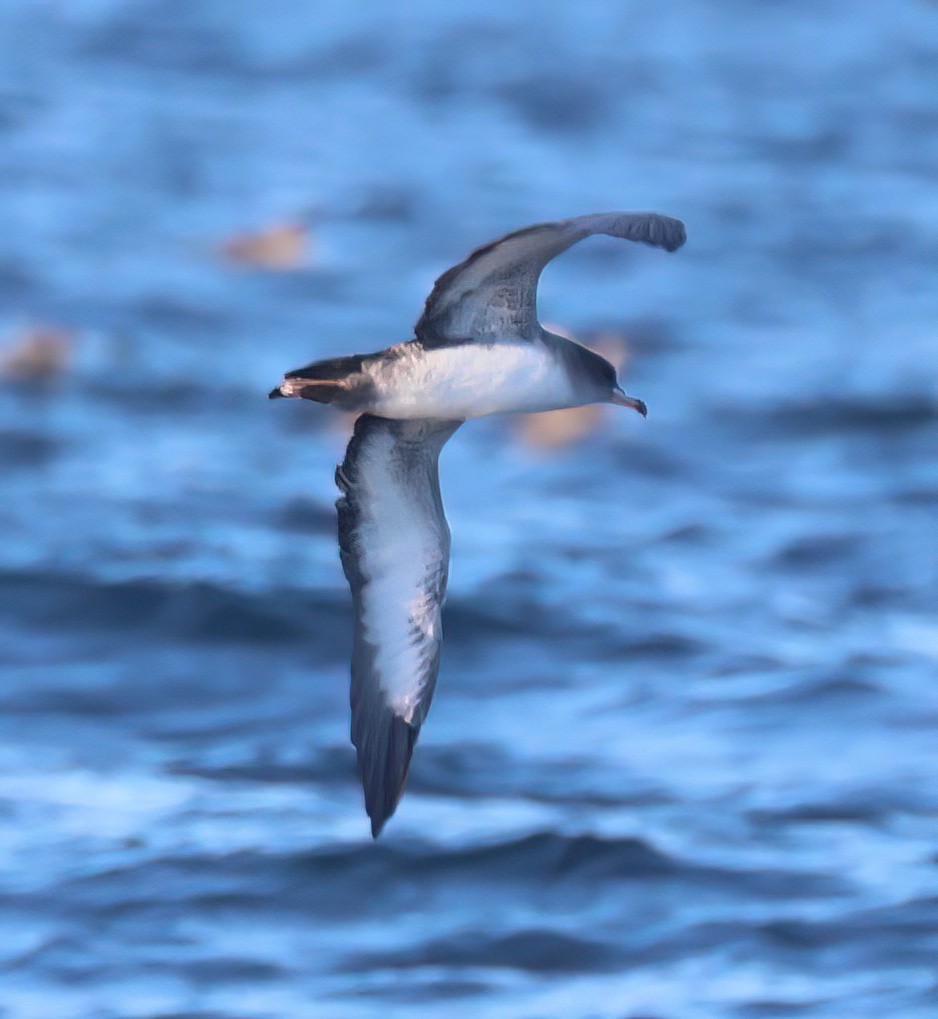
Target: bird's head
pixel 604 382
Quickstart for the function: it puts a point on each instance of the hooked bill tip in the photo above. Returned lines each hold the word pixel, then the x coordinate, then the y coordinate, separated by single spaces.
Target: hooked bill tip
pixel 620 398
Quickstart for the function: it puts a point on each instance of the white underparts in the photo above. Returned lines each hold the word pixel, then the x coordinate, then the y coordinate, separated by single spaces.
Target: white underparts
pixel 470 380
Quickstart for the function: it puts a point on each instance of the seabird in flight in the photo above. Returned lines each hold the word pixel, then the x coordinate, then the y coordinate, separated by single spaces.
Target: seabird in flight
pixel 479 349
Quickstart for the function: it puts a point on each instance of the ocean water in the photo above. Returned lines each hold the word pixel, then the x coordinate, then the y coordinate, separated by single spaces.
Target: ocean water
pixel 683 757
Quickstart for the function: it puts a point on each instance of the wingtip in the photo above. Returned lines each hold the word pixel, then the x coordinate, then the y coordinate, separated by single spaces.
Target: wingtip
pixel 385 745
pixel 651 228
pixel 663 232
pixel 677 236
pixel 380 814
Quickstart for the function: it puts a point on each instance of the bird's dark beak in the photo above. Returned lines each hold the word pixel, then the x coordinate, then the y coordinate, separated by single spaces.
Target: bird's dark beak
pixel 275 394
pixel 618 397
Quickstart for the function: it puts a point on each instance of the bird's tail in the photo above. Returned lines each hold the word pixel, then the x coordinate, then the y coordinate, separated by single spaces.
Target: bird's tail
pixel 332 381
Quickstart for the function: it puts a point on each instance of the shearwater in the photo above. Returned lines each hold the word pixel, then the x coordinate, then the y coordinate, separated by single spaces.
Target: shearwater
pixel 478 349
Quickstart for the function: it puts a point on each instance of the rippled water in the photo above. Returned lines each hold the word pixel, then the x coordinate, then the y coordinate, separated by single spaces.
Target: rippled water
pixel 682 760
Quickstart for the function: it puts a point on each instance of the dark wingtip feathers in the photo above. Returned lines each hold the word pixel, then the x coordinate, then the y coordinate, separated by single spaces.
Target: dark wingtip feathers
pixel 654 229
pixel 383 768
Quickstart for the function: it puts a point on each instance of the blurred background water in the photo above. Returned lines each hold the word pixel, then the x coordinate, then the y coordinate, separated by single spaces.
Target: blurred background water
pixel 682 760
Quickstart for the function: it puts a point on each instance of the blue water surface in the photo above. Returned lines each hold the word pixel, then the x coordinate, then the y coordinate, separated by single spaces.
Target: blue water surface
pixel 683 759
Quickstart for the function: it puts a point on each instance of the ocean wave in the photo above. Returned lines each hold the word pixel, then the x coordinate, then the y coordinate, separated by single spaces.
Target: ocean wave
pixel 198 611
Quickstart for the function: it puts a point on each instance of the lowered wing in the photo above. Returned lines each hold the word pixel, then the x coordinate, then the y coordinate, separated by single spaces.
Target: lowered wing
pixel 394 543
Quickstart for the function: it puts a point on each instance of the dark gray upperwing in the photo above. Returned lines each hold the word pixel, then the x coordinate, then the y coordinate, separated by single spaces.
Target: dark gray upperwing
pixel 493 294
pixel 394 543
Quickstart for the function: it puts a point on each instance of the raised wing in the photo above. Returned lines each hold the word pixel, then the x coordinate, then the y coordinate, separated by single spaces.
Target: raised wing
pixel 493 294
pixel 394 544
